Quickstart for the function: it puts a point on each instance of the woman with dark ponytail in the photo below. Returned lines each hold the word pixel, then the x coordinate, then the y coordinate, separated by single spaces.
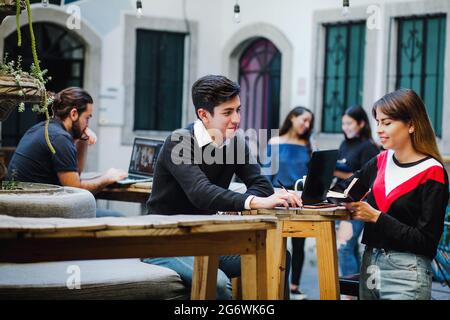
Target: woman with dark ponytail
pixel 357 148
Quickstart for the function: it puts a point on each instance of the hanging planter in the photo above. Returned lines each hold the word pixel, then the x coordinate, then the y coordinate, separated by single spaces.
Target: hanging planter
pixel 13 94
pixel 9 8
pixel 16 86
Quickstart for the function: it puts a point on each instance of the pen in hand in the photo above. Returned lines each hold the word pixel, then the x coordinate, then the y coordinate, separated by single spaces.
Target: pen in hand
pixel 285 189
pixel 282 186
pixel 365 196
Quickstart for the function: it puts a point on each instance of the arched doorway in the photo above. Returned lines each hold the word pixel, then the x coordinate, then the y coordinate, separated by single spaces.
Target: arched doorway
pixel 260 77
pixel 61 52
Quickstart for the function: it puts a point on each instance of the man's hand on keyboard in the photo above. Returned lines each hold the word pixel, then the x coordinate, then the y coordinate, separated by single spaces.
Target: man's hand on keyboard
pixel 113 175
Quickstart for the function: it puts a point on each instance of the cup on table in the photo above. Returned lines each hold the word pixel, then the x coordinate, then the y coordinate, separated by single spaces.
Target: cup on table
pixel 299 184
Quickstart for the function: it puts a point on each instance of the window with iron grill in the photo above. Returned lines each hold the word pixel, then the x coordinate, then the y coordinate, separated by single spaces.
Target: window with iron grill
pixel 344 71
pixel 420 61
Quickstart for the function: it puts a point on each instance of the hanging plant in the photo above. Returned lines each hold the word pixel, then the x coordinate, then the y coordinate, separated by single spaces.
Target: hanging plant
pixel 9 7
pixel 18 87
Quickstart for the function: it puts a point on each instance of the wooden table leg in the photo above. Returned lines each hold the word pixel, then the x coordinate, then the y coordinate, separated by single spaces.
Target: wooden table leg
pixel 327 261
pixel 254 271
pixel 276 262
pixel 204 278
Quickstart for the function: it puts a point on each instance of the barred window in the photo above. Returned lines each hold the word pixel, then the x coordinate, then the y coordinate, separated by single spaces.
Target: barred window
pixel 158 80
pixel 420 61
pixel 344 71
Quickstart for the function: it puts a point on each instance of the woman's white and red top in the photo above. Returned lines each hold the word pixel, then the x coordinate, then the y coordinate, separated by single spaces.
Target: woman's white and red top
pixel 412 198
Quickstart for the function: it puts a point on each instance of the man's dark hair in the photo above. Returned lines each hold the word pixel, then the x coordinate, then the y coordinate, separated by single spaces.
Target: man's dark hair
pixel 69 98
pixel 211 90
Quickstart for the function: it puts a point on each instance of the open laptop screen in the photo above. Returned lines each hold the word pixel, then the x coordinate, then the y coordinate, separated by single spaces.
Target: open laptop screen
pixel 320 175
pixel 144 155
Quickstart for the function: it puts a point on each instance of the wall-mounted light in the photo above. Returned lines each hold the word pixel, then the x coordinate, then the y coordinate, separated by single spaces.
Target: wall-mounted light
pixel 139 8
pixel 44 3
pixel 237 13
pixel 346 8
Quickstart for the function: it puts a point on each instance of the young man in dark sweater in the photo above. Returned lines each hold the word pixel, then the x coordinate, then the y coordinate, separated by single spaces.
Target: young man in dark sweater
pixel 195 167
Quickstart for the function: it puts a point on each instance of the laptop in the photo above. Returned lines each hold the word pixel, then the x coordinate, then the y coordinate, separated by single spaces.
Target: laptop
pixel 143 160
pixel 320 175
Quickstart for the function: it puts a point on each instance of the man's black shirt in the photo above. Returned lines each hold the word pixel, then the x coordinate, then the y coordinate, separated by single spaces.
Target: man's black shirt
pixel 33 160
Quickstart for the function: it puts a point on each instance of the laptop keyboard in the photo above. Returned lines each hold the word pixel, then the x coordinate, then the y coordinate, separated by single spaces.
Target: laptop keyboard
pixel 132 179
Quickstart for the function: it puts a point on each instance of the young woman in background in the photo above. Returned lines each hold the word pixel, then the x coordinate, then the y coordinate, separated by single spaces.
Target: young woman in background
pixel 357 148
pixel 294 152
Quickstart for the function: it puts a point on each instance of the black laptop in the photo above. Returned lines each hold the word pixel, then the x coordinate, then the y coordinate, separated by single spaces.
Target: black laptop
pixel 143 160
pixel 320 175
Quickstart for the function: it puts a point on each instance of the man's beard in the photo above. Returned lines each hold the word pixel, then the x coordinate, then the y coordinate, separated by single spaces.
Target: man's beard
pixel 77 133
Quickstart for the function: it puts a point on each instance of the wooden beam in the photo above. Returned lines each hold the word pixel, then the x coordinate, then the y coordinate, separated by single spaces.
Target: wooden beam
pixel 301 229
pixel 61 249
pixel 204 278
pixel 327 262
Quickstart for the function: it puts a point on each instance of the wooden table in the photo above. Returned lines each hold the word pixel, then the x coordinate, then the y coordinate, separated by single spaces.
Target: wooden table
pixel 304 223
pixel 138 192
pixel 205 237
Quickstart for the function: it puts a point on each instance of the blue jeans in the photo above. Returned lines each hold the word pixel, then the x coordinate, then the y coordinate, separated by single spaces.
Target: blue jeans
pixel 229 267
pixel 394 275
pixel 100 213
pixel 348 253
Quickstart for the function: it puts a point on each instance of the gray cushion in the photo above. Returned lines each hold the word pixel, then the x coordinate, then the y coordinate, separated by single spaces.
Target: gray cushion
pixel 100 279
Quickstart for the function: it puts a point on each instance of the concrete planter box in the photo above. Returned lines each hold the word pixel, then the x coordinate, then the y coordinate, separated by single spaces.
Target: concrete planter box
pixel 44 200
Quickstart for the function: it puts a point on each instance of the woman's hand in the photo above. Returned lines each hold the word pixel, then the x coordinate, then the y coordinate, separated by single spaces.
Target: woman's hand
pixel 363 211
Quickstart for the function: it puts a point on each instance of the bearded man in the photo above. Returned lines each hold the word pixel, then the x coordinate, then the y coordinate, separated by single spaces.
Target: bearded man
pixel 70 135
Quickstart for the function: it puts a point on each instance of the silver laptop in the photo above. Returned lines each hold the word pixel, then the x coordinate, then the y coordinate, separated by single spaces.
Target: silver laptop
pixel 143 160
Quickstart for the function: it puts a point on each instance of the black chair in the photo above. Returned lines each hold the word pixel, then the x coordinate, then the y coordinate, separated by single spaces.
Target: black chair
pixel 350 285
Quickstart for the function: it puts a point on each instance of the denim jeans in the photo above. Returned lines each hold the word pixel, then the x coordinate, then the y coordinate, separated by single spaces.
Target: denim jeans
pixel 394 275
pixel 348 253
pixel 100 213
pixel 229 267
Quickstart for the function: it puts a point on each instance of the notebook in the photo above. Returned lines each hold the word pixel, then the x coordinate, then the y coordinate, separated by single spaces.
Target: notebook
pixel 143 160
pixel 356 191
pixel 320 175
